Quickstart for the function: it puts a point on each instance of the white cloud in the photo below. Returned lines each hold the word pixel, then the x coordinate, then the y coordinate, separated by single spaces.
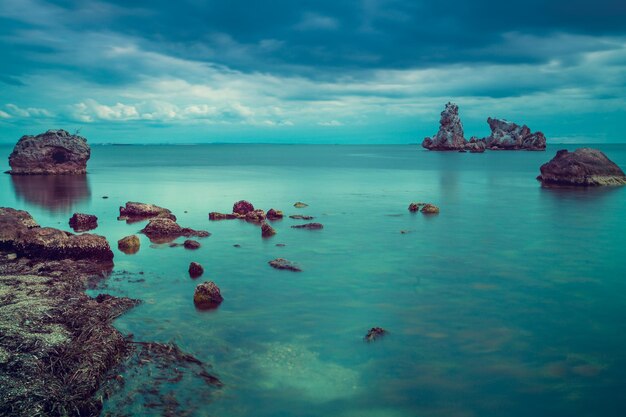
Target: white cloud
pixel 314 21
pixel 330 123
pixel 4 115
pixel 27 112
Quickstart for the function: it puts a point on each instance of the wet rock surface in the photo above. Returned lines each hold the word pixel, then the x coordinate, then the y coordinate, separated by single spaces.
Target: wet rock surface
pixel 301 217
pixel 583 167
pixel 163 230
pixel 273 214
pixel 430 209
pixel 300 204
pixel 191 244
pixel 222 216
pixel 83 222
pixel 375 333
pixel 280 263
pixel 135 212
pixel 51 153
pixel 242 207
pixel 267 230
pixel 507 135
pixel 195 270
pixel 207 296
pixel 129 245
pixel 414 207
pixel 309 226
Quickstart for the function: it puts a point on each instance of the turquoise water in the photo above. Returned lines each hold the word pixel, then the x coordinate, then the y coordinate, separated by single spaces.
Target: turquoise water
pixel 510 302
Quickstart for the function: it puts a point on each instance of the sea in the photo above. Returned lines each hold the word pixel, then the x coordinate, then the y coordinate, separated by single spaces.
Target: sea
pixel 510 302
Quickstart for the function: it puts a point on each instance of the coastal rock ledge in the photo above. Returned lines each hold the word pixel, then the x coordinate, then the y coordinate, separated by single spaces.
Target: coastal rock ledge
pixel 583 167
pixel 51 153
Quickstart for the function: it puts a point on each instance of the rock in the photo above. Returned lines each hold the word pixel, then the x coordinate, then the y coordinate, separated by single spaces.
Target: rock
pixel 274 214
pixel 161 230
pixel 476 145
pixel 450 136
pixel 254 216
pixel 221 216
pixel 242 207
pixel 300 204
pixel 195 270
pixel 134 212
pixel 281 245
pixel 21 234
pixel 191 244
pixel 280 263
pixel 53 152
pixel 510 136
pixel 310 226
pixel 104 197
pixel 413 207
pixel 375 333
pixel 301 217
pixel 207 296
pixel 236 245
pixel 267 230
pixel 430 209
pixel 83 222
pixel 129 245
pixel 583 167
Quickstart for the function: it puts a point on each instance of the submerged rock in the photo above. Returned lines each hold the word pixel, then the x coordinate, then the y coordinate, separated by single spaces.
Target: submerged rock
pixel 21 234
pixel 135 212
pixel 280 263
pixel 83 222
pixel 300 204
pixel 129 245
pixel 430 209
pixel 242 207
pixel 301 217
pixel 375 333
pixel 583 167
pixel 195 270
pixel 310 226
pixel 267 230
pixel 450 135
pixel 191 244
pixel 161 230
pixel 507 135
pixel 53 152
pixel 273 214
pixel 207 296
pixel 222 216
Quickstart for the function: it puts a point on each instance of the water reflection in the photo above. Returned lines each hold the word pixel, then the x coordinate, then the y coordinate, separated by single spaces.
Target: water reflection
pixel 55 193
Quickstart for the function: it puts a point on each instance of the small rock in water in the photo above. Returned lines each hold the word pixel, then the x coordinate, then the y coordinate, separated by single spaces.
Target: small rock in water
pixel 133 212
pixel 83 222
pixel 280 245
pixel 301 217
pixel 221 216
pixel 583 167
pixel 430 209
pixel 105 197
pixel 300 204
pixel 129 245
pixel 162 230
pixel 273 214
pixel 404 232
pixel 267 230
pixel 195 270
pixel 375 333
pixel 280 263
pixel 207 296
pixel 236 245
pixel 413 207
pixel 242 207
pixel 191 244
pixel 310 226
pixel 255 216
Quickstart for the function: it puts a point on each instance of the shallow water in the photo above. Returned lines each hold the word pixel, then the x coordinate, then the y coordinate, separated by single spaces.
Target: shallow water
pixel 509 302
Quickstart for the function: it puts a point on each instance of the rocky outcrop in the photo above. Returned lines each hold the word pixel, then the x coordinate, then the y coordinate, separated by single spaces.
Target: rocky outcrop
pixel 50 153
pixel 300 204
pixel 476 145
pixel 510 136
pixel 195 270
pixel 135 212
pixel 267 230
pixel 21 234
pixel 191 244
pixel 207 296
pixel 242 207
pixel 450 136
pixel 129 245
pixel 414 207
pixel 83 222
pixel 375 333
pixel 222 216
pixel 430 209
pixel 280 263
pixel 254 216
pixel 273 214
pixel 161 230
pixel 301 217
pixel 583 167
pixel 309 226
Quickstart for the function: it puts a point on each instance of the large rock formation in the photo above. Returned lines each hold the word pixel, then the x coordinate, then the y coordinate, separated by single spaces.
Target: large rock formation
pixel 162 230
pixel 510 136
pixel 450 136
pixel 53 152
pixel 583 167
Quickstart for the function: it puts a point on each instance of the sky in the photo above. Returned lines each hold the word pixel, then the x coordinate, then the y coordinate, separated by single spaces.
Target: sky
pixel 325 71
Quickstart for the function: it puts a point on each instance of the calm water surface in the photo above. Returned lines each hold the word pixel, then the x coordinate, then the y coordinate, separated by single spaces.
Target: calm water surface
pixel 510 302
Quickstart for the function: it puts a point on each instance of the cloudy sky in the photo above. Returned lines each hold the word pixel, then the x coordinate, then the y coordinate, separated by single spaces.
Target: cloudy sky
pixel 325 71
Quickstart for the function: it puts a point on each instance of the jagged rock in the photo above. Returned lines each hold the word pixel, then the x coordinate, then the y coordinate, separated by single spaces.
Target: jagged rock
pixel 280 263
pixel 413 207
pixel 375 333
pixel 301 217
pixel 242 207
pixel 310 226
pixel 195 270
pixel 254 216
pixel 83 222
pixel 221 216
pixel 191 244
pixel 134 212
pixel 207 296
pixel 300 204
pixel 510 136
pixel 21 234
pixel 53 152
pixel 476 145
pixel 430 209
pixel 450 136
pixel 583 167
pixel 267 230
pixel 274 214
pixel 129 245
pixel 161 230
